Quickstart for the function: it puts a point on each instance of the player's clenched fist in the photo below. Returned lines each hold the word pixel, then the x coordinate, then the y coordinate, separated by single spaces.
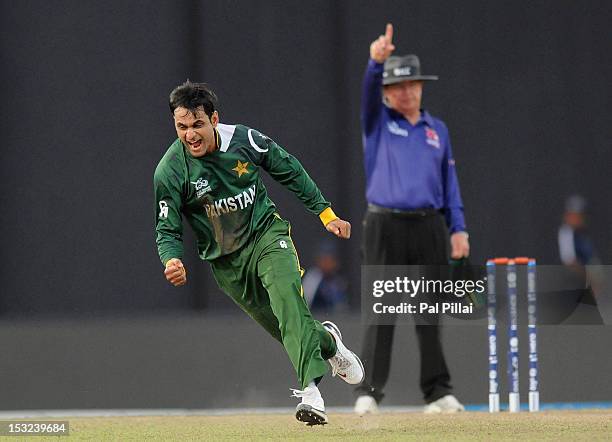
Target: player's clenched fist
pixel 382 47
pixel 340 228
pixel 175 272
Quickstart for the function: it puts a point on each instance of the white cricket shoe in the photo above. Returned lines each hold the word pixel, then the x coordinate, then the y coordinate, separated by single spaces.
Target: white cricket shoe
pixel 366 404
pixel 344 363
pixel 446 404
pixel 312 408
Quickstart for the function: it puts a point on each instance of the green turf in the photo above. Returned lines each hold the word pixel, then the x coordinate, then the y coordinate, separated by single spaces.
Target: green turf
pixel 551 426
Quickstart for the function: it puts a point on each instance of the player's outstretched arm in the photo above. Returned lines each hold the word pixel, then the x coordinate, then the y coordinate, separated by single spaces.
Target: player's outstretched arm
pixel 175 272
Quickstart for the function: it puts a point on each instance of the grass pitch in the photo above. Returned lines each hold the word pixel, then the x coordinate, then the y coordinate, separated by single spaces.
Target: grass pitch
pixel 469 426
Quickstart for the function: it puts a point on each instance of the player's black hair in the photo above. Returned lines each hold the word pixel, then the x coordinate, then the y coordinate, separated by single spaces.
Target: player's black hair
pixel 191 96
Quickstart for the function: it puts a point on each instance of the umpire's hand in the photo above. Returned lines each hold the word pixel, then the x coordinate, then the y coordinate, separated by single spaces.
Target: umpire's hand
pixel 382 47
pixel 340 228
pixel 175 272
pixel 460 245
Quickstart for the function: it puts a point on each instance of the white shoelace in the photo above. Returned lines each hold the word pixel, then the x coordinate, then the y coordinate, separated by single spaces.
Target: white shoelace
pixel 340 364
pixel 298 393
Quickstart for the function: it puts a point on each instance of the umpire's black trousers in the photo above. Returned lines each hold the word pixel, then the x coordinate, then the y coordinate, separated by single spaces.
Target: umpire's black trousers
pixel 407 238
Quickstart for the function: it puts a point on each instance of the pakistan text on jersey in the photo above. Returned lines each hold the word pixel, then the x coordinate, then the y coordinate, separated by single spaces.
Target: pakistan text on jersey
pixel 231 204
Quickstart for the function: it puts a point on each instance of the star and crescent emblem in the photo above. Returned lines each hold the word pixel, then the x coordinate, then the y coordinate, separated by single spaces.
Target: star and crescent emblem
pixel 241 168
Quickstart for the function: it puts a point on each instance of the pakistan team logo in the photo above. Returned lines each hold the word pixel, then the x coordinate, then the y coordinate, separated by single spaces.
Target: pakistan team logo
pixel 201 187
pixel 241 168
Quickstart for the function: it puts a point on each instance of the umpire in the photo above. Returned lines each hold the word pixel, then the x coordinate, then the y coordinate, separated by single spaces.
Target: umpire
pixel 413 196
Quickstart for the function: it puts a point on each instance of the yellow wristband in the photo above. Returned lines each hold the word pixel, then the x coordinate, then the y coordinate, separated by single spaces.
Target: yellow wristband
pixel 327 216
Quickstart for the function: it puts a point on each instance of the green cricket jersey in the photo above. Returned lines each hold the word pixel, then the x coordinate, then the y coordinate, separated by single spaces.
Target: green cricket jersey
pixel 221 194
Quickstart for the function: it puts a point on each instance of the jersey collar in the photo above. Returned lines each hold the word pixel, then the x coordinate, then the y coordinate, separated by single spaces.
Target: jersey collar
pixel 426 118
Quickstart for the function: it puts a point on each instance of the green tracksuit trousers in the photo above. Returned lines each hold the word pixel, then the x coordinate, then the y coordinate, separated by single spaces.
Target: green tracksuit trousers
pixel 264 279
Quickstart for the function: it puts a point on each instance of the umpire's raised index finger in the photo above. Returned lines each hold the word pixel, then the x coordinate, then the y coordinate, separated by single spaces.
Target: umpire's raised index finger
pixel 389 33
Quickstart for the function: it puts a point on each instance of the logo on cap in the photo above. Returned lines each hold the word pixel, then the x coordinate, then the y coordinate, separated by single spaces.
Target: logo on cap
pixel 406 70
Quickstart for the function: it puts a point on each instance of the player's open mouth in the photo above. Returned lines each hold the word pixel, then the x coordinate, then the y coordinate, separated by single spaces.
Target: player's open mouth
pixel 195 145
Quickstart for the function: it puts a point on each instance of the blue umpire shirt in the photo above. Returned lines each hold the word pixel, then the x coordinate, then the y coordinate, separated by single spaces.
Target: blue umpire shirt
pixel 407 167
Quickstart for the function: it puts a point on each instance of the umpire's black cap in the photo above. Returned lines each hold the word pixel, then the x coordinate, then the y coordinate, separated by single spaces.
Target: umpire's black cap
pixel 406 67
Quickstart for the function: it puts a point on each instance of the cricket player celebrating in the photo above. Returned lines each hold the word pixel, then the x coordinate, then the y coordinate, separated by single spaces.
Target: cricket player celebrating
pixel 211 175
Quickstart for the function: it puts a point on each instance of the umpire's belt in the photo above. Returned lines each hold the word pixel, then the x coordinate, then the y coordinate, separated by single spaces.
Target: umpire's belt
pixel 416 213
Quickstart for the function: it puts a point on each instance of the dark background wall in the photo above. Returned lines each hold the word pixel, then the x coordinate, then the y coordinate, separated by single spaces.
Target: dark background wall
pixel 524 89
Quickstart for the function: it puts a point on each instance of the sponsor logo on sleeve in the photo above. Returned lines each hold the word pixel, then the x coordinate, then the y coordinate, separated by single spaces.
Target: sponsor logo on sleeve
pixel 163 210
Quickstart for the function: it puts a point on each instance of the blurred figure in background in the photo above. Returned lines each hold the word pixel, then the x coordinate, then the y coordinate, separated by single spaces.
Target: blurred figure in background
pixel 575 245
pixel 324 285
pixel 577 251
pixel 413 203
